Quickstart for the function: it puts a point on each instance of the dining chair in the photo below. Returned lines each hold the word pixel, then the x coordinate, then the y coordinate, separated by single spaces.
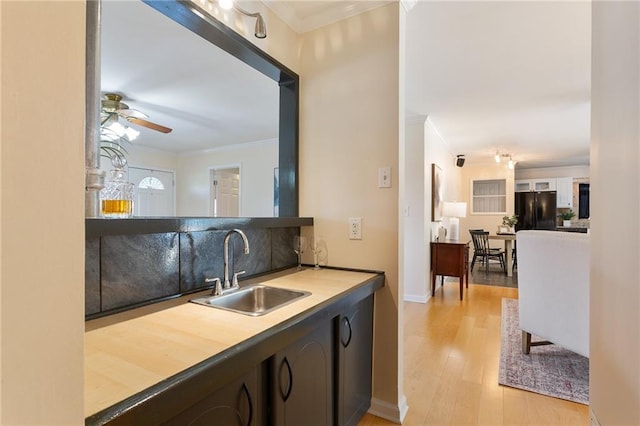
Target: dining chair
pixel 482 250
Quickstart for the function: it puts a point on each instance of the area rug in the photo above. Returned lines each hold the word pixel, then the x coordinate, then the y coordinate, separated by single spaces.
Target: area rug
pixel 548 370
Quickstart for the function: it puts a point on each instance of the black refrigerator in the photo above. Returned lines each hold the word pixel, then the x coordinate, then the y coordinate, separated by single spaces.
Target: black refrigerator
pixel 536 210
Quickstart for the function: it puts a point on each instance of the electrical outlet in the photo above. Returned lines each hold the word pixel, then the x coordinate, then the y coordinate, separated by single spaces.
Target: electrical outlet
pixel 355 228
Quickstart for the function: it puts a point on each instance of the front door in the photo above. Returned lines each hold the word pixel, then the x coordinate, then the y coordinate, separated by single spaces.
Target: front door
pixel 153 192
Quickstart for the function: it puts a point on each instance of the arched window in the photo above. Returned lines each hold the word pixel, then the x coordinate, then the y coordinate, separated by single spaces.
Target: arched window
pixel 151 182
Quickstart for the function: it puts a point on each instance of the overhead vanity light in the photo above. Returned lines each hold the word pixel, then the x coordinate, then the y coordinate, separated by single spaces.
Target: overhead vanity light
pixel 225 4
pixel 260 30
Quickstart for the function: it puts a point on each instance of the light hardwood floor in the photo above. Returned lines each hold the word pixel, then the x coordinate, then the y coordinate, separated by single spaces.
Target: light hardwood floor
pixel 451 354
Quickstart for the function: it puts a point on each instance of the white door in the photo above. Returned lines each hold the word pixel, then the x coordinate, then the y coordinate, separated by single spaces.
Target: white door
pixel 225 192
pixel 153 193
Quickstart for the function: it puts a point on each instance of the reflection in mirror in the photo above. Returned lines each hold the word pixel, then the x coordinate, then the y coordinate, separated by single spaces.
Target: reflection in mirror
pixel 222 112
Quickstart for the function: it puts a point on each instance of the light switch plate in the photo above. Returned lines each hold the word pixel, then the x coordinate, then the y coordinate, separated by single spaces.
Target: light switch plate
pixel 384 177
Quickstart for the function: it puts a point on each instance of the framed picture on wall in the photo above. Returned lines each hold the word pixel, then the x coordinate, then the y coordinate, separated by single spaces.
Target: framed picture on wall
pixel 436 192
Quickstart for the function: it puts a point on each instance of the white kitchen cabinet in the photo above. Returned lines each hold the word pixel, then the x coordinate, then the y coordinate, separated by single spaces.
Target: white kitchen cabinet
pixel 544 184
pixel 564 197
pixel 526 185
pixel 523 185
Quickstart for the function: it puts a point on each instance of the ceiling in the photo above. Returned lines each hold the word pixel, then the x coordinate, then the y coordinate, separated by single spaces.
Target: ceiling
pixel 507 76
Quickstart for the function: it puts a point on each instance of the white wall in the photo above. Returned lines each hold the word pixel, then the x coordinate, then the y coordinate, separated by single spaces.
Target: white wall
pixel 439 152
pixel 414 227
pixel 424 146
pixel 552 172
pixel 349 127
pixel 148 158
pixel 615 198
pixel 42 212
pixel 256 160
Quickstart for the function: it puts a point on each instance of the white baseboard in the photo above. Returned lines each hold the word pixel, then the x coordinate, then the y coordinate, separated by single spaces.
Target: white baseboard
pixel 416 298
pixel 387 411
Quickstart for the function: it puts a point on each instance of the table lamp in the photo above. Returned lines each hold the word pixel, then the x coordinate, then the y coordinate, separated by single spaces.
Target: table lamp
pixel 454 211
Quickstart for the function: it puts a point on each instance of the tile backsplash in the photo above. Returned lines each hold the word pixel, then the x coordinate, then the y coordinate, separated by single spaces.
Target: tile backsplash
pixel 125 271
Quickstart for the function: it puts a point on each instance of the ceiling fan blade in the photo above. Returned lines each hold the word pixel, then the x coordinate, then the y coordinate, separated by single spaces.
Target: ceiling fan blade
pixel 132 113
pixel 148 124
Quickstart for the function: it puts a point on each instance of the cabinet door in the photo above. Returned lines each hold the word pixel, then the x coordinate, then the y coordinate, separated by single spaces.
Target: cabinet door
pixel 302 392
pixel 564 187
pixel 523 186
pixel 240 403
pixel 354 346
pixel 544 184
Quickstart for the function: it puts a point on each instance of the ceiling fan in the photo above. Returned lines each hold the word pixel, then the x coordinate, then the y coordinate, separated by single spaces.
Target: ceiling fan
pixel 113 107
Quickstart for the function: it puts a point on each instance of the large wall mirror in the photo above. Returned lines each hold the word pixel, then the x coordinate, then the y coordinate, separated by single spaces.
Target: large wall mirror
pixel 233 111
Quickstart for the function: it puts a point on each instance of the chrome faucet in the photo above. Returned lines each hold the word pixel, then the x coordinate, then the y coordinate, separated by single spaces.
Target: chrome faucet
pixel 234 281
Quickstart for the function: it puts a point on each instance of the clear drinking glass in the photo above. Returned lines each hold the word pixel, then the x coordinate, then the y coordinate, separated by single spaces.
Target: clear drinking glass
pixel 299 246
pixel 319 249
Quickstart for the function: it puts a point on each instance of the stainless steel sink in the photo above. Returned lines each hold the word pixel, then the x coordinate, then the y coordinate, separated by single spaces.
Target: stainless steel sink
pixel 253 300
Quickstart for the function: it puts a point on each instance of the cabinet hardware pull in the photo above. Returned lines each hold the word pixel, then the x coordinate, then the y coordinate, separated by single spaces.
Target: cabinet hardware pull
pixel 348 324
pixel 250 401
pixel 285 394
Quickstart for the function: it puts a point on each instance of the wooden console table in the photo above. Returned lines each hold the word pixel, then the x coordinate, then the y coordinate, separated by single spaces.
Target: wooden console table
pixel 450 258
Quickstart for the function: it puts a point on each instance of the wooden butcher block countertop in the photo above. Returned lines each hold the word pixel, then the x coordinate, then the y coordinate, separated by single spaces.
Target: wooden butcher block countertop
pixel 127 353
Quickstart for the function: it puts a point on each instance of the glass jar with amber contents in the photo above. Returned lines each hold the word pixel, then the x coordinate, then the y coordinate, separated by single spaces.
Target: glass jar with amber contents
pixel 116 198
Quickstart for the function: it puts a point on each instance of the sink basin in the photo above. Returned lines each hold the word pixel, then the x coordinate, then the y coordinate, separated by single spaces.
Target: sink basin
pixel 253 300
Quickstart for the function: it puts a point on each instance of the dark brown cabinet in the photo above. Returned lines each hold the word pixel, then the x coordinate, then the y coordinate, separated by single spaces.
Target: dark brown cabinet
pixel 354 348
pixel 302 386
pixel 450 258
pixel 316 371
pixel 239 403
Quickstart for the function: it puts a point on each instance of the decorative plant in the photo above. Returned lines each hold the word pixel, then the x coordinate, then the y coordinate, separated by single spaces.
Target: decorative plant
pixel 567 215
pixel 509 221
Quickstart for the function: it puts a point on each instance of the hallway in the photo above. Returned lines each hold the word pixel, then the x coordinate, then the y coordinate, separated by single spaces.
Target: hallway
pixel 451 353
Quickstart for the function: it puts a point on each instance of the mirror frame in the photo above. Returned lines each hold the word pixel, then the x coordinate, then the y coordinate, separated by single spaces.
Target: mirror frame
pixel 192 17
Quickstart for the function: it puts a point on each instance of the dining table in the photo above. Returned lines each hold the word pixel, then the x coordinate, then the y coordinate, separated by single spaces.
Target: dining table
pixel 509 240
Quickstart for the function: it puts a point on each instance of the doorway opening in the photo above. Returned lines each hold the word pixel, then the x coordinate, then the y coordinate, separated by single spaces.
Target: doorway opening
pixel 225 191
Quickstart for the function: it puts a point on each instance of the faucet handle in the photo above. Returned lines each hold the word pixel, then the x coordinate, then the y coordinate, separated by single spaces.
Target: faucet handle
pixel 234 281
pixel 217 286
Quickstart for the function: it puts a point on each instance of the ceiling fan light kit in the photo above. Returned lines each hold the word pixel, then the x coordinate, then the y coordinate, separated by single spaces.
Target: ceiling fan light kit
pixel 113 133
pixel 113 107
pixel 116 130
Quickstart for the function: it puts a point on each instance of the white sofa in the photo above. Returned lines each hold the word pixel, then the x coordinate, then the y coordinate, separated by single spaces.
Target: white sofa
pixel 553 287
